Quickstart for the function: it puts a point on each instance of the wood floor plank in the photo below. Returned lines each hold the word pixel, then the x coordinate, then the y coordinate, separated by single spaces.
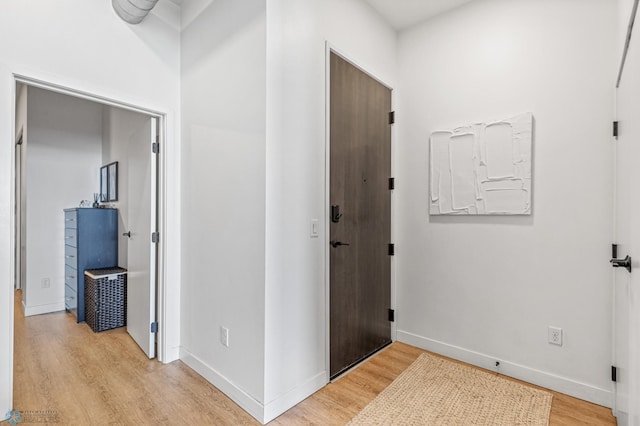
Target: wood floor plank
pixel 104 378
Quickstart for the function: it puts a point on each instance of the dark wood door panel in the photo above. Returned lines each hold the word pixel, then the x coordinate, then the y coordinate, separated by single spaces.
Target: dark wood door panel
pixel 360 165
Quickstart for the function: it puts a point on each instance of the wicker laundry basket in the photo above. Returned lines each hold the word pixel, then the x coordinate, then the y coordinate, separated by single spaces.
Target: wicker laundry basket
pixel 105 298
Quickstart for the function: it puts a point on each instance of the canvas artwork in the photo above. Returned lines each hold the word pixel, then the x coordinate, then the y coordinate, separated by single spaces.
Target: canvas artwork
pixel 482 169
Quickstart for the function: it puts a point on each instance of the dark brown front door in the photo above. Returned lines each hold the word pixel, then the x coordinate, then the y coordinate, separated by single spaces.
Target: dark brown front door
pixel 360 230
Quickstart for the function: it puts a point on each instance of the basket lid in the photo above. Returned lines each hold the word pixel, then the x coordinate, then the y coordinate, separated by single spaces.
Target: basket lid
pixel 99 273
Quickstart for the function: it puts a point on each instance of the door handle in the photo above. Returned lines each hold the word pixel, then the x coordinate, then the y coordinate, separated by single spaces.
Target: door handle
pixel 335 243
pixel 127 234
pixel 622 263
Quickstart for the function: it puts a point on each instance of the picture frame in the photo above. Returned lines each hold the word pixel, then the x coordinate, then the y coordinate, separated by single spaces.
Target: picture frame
pixel 112 187
pixel 104 183
pixel 109 182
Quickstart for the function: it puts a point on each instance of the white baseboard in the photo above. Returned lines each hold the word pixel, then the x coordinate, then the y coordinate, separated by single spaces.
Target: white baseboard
pixel 622 418
pixel 172 354
pixel 42 309
pixel 530 375
pixel 240 397
pixel 289 399
pixel 262 413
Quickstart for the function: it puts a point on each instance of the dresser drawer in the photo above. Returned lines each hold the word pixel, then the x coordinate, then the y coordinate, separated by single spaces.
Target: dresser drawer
pixel 90 242
pixel 70 219
pixel 70 237
pixel 70 276
pixel 71 256
pixel 70 299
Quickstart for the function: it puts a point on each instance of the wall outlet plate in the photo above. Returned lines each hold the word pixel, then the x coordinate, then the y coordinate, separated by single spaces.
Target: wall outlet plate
pixel 555 335
pixel 224 336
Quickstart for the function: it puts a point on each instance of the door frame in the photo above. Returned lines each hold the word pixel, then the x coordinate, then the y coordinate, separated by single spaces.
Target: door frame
pixel 18 214
pixel 162 351
pixel 329 48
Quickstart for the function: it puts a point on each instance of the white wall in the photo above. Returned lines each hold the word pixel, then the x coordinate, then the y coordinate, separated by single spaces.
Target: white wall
pixel 63 159
pixel 486 288
pixel 295 265
pixel 84 45
pixel 223 197
pixel 234 84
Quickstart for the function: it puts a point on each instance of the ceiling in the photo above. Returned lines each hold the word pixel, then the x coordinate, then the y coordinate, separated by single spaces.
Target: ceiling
pixel 401 14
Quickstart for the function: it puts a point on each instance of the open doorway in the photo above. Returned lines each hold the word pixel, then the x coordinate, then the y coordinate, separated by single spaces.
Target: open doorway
pixel 66 138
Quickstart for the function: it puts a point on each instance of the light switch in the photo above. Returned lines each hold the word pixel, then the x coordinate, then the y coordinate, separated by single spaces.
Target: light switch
pixel 315 228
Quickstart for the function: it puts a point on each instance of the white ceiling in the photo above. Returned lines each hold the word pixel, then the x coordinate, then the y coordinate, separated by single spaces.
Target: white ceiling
pixel 402 14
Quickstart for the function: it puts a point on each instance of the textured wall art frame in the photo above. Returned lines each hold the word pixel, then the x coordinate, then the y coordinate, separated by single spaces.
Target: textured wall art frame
pixel 482 169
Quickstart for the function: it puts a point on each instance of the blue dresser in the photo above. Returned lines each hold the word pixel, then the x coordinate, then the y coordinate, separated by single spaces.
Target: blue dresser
pixel 91 242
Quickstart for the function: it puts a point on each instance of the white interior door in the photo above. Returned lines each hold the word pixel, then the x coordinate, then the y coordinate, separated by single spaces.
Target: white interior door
pixel 627 284
pixel 141 258
pixel 18 247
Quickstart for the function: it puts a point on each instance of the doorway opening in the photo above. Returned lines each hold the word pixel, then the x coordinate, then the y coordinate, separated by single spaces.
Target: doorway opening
pixel 64 139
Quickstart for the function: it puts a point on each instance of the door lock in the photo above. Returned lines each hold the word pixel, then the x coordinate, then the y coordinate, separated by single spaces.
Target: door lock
pixel 127 234
pixel 335 213
pixel 622 263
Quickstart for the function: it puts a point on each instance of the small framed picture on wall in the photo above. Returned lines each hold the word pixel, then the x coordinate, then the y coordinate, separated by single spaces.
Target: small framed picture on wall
pixel 104 183
pixel 112 172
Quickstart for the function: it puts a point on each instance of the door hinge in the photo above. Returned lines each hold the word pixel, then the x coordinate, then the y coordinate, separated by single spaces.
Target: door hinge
pixel 392 117
pixel 155 237
pixel 615 129
pixel 392 183
pixel 392 315
pixel 392 249
pixel 614 251
pixel 614 374
pixel 155 147
pixel 154 327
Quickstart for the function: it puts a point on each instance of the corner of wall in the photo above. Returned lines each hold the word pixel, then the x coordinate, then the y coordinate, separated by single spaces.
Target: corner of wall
pixel 225 385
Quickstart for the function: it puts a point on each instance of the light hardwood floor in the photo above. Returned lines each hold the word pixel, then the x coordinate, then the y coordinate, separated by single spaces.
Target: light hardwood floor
pixel 100 378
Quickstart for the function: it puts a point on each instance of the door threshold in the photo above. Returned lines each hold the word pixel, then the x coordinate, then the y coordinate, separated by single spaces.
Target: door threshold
pixel 359 362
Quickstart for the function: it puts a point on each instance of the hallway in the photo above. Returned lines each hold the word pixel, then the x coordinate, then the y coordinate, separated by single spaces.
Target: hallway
pixel 82 377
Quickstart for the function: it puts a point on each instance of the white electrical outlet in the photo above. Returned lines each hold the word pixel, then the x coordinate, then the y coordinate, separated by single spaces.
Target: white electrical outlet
pixel 224 336
pixel 46 283
pixel 555 336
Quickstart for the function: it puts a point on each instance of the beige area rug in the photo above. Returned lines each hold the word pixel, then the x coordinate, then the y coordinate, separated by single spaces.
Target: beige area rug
pixel 435 391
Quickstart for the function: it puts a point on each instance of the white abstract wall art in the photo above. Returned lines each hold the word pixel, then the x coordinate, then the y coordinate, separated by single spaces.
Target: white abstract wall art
pixel 482 169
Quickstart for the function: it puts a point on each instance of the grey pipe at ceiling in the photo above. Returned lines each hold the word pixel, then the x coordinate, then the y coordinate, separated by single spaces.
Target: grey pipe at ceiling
pixel 133 11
